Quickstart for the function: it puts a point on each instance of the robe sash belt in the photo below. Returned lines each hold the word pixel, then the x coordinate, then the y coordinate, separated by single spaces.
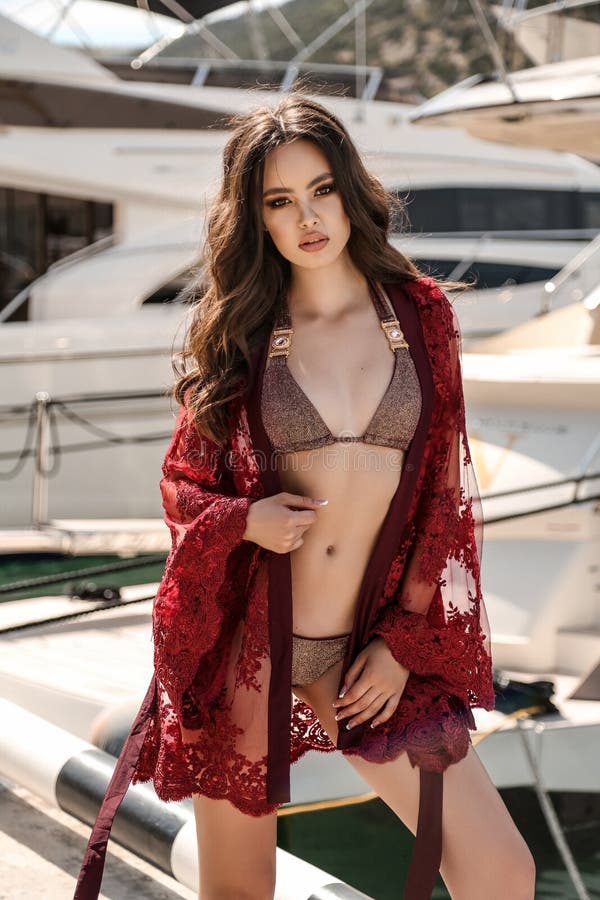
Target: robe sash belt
pixel 427 850
pixel 92 867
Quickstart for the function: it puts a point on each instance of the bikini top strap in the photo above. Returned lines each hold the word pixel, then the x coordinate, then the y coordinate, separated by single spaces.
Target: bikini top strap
pixel 281 337
pixel 387 317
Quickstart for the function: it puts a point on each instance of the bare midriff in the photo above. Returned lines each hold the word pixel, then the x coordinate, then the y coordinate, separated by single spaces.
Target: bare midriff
pixel 327 569
pixel 345 369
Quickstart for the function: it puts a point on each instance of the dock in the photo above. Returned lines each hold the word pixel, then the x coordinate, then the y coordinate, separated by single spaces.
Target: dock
pixel 41 849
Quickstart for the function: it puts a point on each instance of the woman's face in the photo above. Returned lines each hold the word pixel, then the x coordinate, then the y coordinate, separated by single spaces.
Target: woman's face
pixel 301 203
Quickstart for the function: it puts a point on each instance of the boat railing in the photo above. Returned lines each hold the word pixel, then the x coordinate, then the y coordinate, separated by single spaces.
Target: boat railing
pixel 367 78
pixel 42 440
pixel 541 234
pixel 290 70
pixel 545 801
pixel 515 12
pixel 42 443
pixel 563 280
pixel 569 274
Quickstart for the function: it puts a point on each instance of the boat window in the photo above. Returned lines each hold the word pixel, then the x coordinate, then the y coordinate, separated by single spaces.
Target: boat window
pixel 430 210
pixel 487 274
pixel 37 230
pixel 591 210
pixel 456 209
pixel 176 290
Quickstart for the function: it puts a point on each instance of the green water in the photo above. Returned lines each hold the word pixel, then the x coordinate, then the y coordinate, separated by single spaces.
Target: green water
pixel 21 567
pixel 366 846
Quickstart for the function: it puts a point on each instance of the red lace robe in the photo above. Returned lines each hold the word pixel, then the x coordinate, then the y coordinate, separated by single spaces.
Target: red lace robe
pixel 219 718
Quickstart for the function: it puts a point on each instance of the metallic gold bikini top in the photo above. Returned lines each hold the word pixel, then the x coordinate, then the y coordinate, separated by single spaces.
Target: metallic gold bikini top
pixel 293 423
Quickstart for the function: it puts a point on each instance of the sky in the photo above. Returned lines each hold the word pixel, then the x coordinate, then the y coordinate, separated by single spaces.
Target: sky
pixel 99 24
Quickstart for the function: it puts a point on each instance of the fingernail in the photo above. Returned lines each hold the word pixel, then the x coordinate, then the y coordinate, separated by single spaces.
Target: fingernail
pixel 322 502
pixel 348 726
pixel 373 724
pixel 338 717
pixel 341 693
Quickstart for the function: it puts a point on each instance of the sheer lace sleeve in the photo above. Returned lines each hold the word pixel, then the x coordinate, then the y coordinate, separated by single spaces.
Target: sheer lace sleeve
pixel 434 620
pixel 201 582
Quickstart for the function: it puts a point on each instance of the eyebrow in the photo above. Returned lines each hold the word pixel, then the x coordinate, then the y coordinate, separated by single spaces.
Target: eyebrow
pixel 284 190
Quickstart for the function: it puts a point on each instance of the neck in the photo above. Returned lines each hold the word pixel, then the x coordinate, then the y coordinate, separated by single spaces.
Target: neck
pixel 328 293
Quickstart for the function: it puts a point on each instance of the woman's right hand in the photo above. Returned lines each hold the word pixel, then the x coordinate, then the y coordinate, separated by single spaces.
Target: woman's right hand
pixel 277 523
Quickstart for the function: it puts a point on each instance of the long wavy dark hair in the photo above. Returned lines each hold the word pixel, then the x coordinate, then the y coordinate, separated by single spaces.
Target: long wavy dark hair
pixel 244 274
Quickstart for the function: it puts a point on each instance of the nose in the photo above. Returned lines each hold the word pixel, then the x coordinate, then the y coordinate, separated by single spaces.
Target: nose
pixel 308 217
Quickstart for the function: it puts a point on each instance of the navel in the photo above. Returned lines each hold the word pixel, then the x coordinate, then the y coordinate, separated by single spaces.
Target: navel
pixel 330 548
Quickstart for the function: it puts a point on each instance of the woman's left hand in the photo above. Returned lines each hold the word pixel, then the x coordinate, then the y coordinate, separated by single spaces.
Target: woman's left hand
pixel 373 686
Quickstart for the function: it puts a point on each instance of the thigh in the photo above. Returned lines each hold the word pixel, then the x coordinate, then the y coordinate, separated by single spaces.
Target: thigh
pixel 236 852
pixel 479 835
pixel 404 799
pixel 483 853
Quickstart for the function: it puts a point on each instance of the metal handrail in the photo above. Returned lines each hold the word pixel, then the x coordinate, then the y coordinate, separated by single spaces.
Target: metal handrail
pixel 494 48
pixel 468 259
pixel 563 234
pixel 513 17
pixel 574 265
pixel 290 69
pixel 17 301
pixel 184 62
pixel 20 408
pixel 46 451
pixel 549 813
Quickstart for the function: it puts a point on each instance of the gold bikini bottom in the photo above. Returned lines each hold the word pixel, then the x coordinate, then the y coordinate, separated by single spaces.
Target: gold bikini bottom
pixel 311 657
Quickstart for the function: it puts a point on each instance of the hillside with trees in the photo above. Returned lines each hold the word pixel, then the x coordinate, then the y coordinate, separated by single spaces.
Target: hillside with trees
pixel 423 46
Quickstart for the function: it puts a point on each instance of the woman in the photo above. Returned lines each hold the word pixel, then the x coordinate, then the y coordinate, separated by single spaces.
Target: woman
pixel 323 509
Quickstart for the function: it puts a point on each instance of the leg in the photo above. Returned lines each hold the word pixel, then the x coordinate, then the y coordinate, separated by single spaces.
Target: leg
pixel 236 852
pixel 484 856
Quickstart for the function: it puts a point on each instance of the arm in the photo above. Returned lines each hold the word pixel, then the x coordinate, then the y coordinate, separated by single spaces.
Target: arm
pixel 207 523
pixel 435 623
pixel 195 482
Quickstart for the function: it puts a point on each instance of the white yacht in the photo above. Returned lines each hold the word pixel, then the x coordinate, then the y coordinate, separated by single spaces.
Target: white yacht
pixel 122 213
pixel 555 103
pixel 111 180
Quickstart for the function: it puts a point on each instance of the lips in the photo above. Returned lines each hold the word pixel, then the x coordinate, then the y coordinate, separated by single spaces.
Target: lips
pixel 313 238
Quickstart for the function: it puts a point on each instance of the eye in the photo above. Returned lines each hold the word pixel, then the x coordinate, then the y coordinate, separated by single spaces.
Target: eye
pixel 328 188
pixel 275 204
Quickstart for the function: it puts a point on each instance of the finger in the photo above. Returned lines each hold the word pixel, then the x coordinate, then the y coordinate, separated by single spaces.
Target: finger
pixel 352 674
pixel 365 700
pixel 303 519
pixel 358 690
pixel 371 710
pixel 300 529
pixel 387 712
pixel 299 500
